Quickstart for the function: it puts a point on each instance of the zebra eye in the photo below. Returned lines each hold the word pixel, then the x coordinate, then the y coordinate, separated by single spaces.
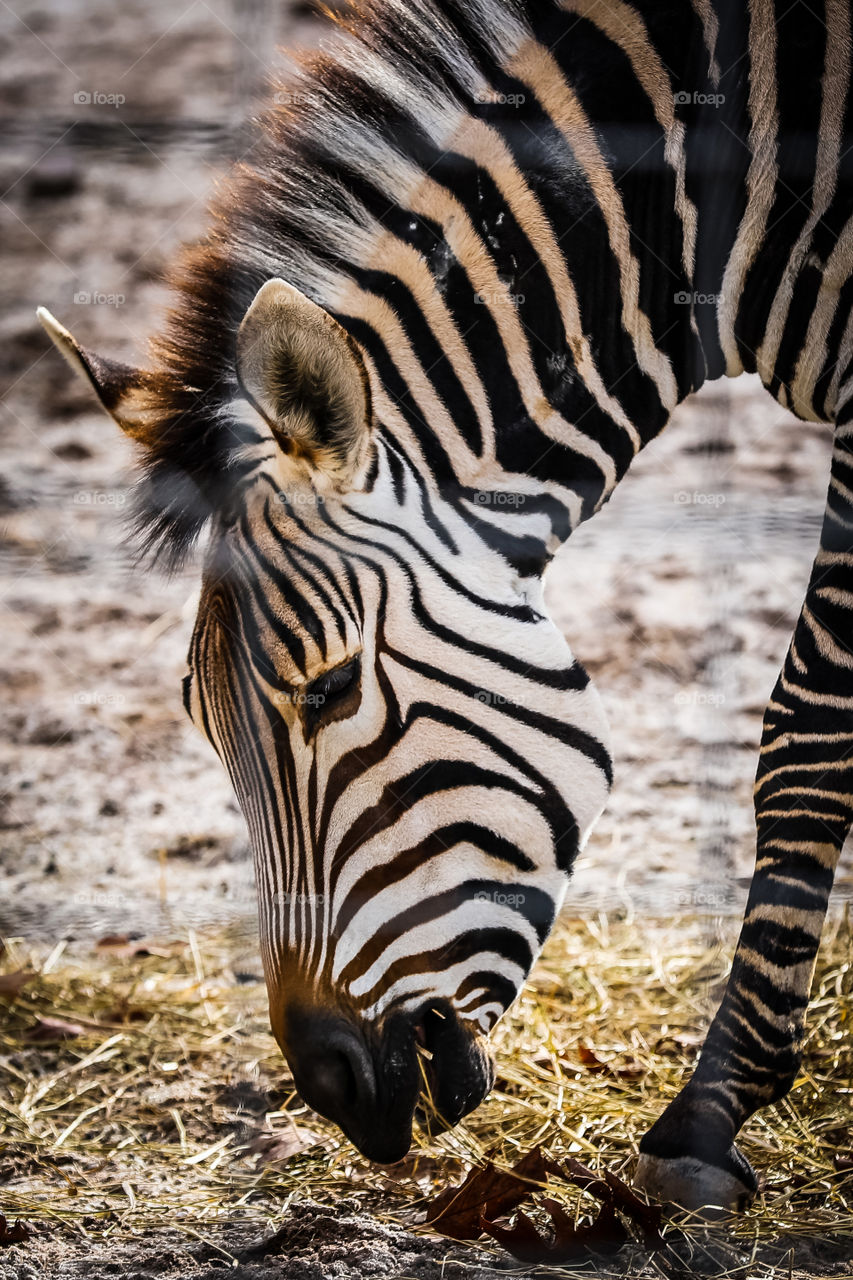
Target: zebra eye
pixel 336 682
pixel 332 695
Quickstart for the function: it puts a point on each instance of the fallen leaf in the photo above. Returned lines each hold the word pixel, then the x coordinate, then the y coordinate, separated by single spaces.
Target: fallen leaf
pixel 126 948
pixel 488 1192
pixel 13 1235
pixel 111 940
pixel 590 1060
pixel 282 1144
pixel 597 1066
pixel 48 1029
pixel 568 1242
pixel 11 983
pixel 523 1240
pixel 646 1216
pixel 580 1176
pixel 613 1190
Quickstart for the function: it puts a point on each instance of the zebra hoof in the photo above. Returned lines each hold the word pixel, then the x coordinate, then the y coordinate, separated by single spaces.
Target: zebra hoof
pixel 695 1184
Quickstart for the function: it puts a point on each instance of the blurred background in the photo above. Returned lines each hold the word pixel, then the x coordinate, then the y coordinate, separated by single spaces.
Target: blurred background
pixel 115 816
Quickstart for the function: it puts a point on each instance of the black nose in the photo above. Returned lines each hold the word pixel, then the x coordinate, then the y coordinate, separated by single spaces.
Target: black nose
pixel 368 1079
pixel 333 1070
pixel 366 1084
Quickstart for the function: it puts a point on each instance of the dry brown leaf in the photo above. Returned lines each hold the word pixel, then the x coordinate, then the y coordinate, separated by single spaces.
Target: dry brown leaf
pixel 597 1066
pixel 488 1192
pixel 580 1176
pixel 523 1239
pixel 11 983
pixel 13 1235
pixel 271 1148
pixel 124 947
pixel 568 1242
pixel 612 1190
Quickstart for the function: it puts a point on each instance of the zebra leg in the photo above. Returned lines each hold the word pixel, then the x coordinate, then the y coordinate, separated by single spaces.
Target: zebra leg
pixel 804 808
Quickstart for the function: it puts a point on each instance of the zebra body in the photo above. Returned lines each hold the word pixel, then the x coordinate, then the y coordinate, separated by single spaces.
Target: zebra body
pixel 470 269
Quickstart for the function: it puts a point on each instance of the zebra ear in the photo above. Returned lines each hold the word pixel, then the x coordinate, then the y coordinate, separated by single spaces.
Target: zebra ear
pixel 306 376
pixel 123 391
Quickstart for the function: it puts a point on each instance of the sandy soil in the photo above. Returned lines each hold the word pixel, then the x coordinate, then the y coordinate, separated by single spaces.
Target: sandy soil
pixel 116 816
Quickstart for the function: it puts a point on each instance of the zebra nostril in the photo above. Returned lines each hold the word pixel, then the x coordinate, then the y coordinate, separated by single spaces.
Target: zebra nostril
pixel 331 1066
pixel 333 1085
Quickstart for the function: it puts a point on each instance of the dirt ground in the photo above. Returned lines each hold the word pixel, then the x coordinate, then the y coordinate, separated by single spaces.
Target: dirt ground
pixel 116 817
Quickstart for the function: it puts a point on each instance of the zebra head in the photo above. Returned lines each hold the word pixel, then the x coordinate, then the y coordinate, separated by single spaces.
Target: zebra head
pixel 417 753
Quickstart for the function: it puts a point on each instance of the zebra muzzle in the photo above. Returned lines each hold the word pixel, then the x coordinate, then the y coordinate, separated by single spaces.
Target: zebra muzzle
pixel 374 1081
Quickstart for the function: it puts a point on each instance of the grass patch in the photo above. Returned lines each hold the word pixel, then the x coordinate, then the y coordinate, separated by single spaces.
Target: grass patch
pixel 140 1086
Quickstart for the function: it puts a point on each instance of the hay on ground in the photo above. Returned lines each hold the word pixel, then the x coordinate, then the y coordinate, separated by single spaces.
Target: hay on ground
pixel 140 1086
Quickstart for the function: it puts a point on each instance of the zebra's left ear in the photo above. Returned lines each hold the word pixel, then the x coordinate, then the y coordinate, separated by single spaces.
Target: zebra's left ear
pixel 306 376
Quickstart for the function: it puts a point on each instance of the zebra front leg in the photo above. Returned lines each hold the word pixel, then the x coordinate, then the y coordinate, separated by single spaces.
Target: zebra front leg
pixel 804 809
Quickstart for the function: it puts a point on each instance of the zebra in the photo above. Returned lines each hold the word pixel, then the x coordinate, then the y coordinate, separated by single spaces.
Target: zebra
pixel 479 253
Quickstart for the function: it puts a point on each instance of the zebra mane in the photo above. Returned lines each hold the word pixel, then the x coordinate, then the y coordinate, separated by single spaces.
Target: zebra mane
pixel 397 78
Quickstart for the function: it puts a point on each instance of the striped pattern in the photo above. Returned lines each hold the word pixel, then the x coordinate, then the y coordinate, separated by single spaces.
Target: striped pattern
pixel 542 225
pixel 415 845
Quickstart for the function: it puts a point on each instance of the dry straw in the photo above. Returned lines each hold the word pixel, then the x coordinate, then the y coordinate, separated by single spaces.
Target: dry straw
pixel 140 1086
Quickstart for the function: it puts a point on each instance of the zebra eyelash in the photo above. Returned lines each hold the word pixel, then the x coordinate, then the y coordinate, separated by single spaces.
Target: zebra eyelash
pixel 337 682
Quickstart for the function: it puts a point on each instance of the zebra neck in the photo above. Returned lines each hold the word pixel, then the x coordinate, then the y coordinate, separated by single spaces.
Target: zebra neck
pixel 533 281
pixel 532 310
pixel 513 516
